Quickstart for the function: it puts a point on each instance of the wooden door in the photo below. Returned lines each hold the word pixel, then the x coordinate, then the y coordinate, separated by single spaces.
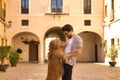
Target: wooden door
pixel 96 54
pixel 33 52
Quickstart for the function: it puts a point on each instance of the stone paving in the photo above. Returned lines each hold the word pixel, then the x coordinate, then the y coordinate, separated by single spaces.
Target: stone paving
pixel 81 71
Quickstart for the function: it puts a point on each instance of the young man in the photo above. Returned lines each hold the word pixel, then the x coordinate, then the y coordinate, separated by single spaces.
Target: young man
pixel 72 50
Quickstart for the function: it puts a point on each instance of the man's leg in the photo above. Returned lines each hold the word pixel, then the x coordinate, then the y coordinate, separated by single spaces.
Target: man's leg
pixel 67 75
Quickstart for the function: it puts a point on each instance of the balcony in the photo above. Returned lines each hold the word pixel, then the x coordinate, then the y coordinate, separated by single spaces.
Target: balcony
pixel 63 11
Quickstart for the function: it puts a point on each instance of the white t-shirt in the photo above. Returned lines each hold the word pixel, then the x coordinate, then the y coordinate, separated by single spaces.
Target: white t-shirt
pixel 68 47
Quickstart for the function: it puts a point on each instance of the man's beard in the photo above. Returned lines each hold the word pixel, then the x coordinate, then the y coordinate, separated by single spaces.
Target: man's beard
pixel 70 36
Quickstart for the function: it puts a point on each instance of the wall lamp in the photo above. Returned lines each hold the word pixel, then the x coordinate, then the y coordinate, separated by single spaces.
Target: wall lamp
pixel 9 24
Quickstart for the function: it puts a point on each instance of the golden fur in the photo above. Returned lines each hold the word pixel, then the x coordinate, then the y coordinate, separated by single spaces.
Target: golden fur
pixel 55 66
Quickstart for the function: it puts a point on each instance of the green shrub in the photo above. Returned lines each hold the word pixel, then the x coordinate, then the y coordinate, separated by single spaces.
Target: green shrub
pixel 113 54
pixel 4 52
pixel 14 56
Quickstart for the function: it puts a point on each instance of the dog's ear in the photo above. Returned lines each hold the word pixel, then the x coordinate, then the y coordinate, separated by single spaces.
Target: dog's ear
pixel 54 44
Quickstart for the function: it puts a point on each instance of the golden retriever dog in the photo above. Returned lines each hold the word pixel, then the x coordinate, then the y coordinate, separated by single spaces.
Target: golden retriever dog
pixel 55 64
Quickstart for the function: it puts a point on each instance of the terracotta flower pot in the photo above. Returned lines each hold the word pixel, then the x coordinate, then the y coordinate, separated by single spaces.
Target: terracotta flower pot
pixel 3 67
pixel 112 64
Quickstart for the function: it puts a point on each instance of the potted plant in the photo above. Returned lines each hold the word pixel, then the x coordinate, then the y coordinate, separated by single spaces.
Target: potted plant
pixel 4 52
pixel 14 58
pixel 113 54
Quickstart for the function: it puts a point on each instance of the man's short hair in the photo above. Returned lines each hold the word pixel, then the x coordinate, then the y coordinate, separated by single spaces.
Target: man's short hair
pixel 67 27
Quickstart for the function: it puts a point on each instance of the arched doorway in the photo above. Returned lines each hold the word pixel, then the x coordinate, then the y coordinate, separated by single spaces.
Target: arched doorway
pixel 28 42
pixel 51 34
pixel 92 47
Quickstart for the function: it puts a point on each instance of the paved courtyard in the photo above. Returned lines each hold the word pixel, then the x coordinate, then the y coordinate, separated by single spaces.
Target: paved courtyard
pixel 82 71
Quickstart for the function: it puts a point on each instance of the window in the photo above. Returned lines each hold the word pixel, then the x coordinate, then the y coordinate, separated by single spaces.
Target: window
pixel 112 42
pixel 105 11
pixel 56 6
pixel 3 14
pixel 118 41
pixel 25 22
pixel 87 22
pixel 2 41
pixel 105 43
pixel 87 6
pixel 112 4
pixel 5 42
pixel 112 10
pixel 24 6
pixel 0 8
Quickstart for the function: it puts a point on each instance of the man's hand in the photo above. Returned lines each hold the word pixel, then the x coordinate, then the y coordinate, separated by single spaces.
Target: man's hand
pixel 61 57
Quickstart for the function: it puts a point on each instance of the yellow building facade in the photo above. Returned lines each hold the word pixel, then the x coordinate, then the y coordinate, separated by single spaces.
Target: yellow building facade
pixel 3 24
pixel 36 22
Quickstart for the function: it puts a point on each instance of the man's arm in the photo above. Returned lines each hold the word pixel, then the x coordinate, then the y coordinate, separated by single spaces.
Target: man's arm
pixel 74 53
